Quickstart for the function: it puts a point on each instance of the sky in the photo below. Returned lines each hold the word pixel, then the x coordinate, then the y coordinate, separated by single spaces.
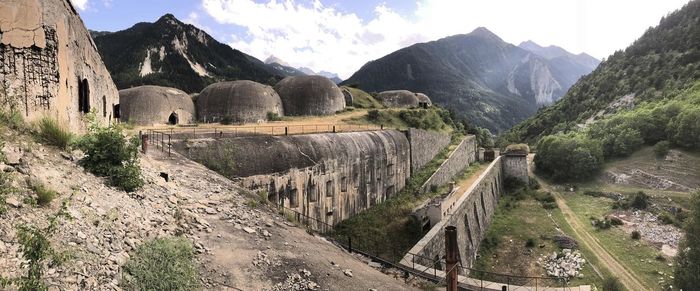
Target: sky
pixel 341 36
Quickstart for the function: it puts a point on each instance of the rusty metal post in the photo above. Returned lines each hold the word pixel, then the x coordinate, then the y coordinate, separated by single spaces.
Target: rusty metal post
pixel 350 244
pixel 144 142
pixel 286 130
pixel 333 128
pixel 452 257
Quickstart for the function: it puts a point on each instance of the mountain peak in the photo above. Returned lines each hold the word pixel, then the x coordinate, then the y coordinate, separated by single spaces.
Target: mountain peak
pixel 529 44
pixel 168 18
pixel 273 59
pixel 484 32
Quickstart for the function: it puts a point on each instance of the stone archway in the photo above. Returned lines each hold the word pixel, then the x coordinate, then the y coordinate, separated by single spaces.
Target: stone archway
pixel 173 118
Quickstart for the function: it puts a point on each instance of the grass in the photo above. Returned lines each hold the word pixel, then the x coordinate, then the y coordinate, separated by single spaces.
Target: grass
pixel 388 229
pixel 401 119
pixel 162 264
pixel 44 194
pixel 637 255
pixel 54 134
pixel 362 99
pixel 519 234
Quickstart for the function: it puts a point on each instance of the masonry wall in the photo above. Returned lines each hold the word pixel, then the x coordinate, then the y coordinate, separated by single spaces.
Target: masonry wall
pixel 329 176
pixel 459 159
pixel 425 145
pixel 46 57
pixel 472 218
pixel 516 166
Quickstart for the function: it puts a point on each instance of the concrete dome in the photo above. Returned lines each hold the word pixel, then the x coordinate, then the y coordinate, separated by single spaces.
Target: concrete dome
pixel 422 98
pixel 398 99
pixel 310 95
pixel 237 101
pixel 146 105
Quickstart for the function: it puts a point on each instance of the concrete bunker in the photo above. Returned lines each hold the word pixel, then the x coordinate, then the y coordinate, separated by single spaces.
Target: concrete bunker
pixel 147 105
pixel 423 100
pixel 310 95
pixel 238 102
pixel 398 99
pixel 49 65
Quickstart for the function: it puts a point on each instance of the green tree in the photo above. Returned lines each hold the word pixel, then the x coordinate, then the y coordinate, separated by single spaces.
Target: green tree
pixel 687 271
pixel 661 149
pixel 568 157
pixel 484 137
pixel 685 128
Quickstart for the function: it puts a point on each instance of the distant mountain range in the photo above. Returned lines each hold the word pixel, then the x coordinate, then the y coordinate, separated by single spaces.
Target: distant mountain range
pixel 174 54
pixel 478 75
pixel 282 65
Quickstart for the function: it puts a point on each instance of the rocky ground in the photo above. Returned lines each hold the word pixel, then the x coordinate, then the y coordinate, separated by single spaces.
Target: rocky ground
pixel 239 247
pixel 664 236
pixel 567 264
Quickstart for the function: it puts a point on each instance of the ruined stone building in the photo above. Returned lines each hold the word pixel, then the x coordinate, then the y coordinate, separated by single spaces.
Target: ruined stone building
pixel 147 105
pixel 238 102
pixel 49 65
pixel 310 95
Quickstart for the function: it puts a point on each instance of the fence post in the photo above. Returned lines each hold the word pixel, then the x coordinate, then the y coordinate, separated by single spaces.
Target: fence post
pixel 169 145
pixel 286 130
pixel 452 251
pixel 144 142
pixel 333 128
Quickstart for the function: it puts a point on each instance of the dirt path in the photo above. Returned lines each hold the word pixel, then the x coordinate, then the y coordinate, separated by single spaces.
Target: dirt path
pixel 626 276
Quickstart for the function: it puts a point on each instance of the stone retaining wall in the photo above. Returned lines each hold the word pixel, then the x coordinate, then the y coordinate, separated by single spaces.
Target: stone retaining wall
pixel 459 159
pixel 425 145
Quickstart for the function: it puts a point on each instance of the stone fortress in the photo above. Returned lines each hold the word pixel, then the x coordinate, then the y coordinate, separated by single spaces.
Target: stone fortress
pixel 49 65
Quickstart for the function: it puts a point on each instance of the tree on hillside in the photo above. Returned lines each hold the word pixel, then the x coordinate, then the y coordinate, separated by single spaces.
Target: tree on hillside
pixel 687 273
pixel 568 157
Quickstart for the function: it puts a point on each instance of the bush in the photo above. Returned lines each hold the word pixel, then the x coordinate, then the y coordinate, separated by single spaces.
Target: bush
pixel 640 201
pixel 614 221
pixel 44 195
pixel 661 149
pixel 568 158
pixel 373 115
pixel 530 243
pixel 109 154
pixel 666 219
pixel 53 134
pixel 272 116
pixel 636 235
pixel 162 264
pixel 612 284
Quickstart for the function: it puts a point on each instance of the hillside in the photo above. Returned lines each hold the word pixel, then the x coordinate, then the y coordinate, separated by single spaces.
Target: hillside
pixel 174 54
pixel 664 59
pixel 492 83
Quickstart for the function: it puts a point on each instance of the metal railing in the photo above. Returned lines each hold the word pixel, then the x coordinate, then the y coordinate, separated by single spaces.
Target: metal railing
pixel 161 139
pixel 238 131
pixel 471 279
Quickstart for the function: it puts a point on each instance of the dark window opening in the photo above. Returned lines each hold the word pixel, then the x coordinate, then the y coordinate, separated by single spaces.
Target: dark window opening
pixel 313 193
pixel 329 189
pixel 116 111
pixel 83 96
pixel 293 198
pixel 173 119
pixel 104 106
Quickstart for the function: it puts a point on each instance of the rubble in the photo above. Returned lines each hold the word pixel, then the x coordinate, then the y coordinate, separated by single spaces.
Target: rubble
pixel 567 264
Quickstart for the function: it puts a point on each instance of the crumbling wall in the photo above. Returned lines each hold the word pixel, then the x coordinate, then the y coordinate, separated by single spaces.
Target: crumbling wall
pixel 329 176
pixel 515 165
pixel 472 217
pixel 48 62
pixel 425 145
pixel 460 158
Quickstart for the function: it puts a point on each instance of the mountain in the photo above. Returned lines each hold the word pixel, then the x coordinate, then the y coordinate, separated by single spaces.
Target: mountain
pixel 94 33
pixel 554 52
pixel 659 64
pixel 478 75
pixel 280 67
pixel 333 76
pixel 174 54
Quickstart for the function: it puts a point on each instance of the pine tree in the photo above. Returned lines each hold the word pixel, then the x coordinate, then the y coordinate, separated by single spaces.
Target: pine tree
pixel 687 274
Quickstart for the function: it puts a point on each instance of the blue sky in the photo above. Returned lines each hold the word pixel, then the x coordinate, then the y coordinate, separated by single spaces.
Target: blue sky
pixel 340 36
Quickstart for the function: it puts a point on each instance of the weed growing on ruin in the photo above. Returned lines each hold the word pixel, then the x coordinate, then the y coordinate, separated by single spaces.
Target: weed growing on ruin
pixel 108 153
pixel 162 264
pixel 44 194
pixel 272 116
pixel 36 250
pixel 52 133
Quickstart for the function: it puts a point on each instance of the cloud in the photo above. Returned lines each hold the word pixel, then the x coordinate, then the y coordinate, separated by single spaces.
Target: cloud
pixel 80 4
pixel 318 36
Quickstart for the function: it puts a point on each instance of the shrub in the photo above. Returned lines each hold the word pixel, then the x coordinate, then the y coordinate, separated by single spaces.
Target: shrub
pixel 533 183
pixel 530 243
pixel 636 235
pixel 545 197
pixel 272 116
pixel 44 195
pixel 549 205
pixel 162 264
pixel 640 201
pixel 614 221
pixel 12 119
pixel 373 115
pixel 108 153
pixel 661 149
pixel 612 284
pixel 54 134
pixel 666 219
pixel 568 158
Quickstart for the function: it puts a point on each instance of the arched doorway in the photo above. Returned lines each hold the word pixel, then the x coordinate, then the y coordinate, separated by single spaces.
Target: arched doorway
pixel 173 119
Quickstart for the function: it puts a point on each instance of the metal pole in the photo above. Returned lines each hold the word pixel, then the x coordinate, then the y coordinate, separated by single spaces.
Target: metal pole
pixel 350 244
pixel 169 145
pixel 144 142
pixel 452 257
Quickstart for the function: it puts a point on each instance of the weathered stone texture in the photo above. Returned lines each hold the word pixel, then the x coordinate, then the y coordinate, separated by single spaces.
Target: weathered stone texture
pixel 515 165
pixel 146 105
pixel 460 158
pixel 424 146
pixel 48 60
pixel 329 177
pixel 238 101
pixel 398 99
pixel 472 217
pixel 310 95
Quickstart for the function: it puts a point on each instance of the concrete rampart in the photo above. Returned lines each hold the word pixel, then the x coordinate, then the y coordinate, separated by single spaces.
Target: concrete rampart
pixel 459 159
pixel 472 216
pixel 425 145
